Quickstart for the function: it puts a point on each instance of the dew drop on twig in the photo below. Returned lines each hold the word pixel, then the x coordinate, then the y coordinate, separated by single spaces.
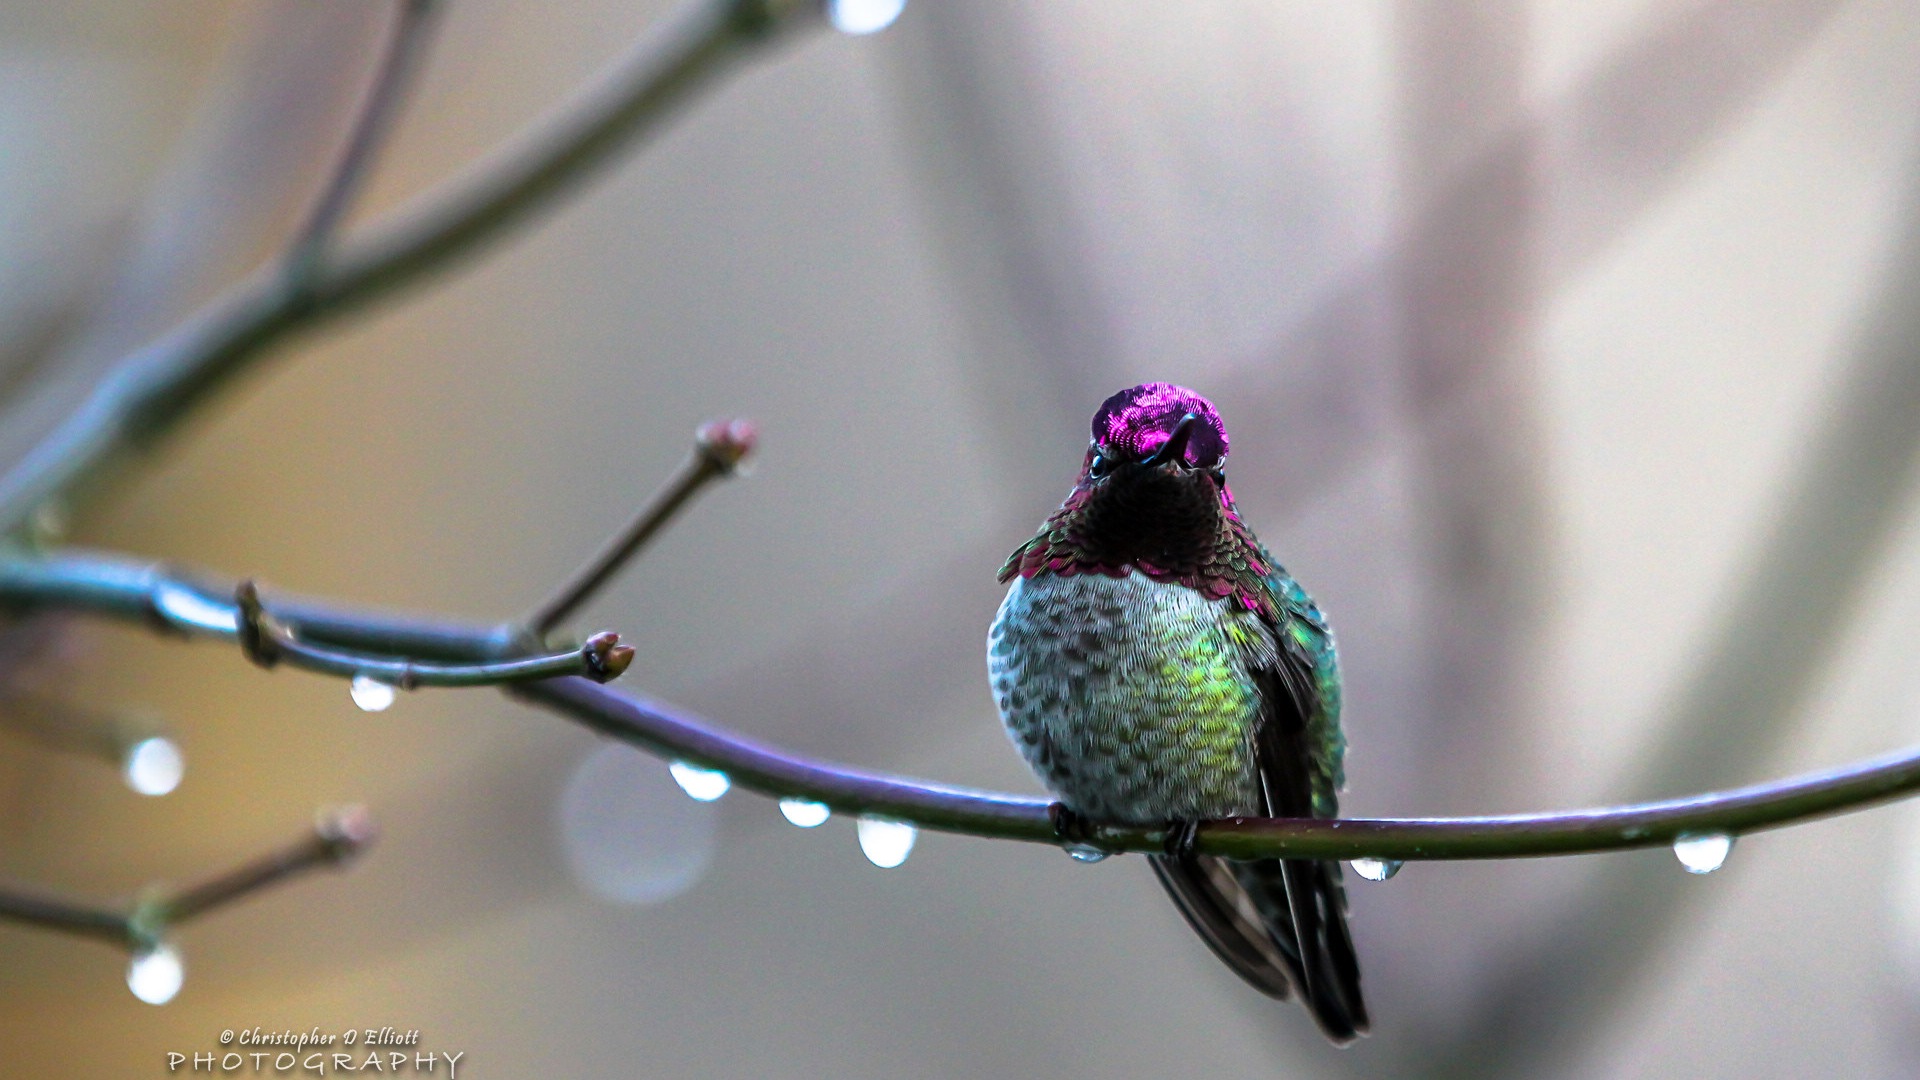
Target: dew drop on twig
pixel 702 785
pixel 804 812
pixel 1703 853
pixel 155 974
pixel 1376 869
pixel 371 694
pixel 863 16
pixel 154 766
pixel 886 843
pixel 1085 853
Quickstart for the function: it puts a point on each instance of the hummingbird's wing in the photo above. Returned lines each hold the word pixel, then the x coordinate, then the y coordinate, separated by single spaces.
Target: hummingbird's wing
pixel 1294 781
pixel 1281 924
pixel 1254 939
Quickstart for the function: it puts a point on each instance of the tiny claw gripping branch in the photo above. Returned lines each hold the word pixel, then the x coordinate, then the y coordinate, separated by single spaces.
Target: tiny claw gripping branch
pixel 1068 827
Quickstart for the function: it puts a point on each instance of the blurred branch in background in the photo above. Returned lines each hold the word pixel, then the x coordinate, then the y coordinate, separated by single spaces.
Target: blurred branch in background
pixel 1734 711
pixel 406 46
pixel 150 392
pixel 337 836
pixel 135 743
pixel 154 388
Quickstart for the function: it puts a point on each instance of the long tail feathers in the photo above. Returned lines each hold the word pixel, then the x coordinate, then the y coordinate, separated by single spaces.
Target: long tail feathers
pixel 1279 924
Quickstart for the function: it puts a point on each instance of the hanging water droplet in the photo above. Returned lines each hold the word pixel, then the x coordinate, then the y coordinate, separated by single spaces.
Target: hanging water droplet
pixel 804 812
pixel 863 16
pixel 1086 853
pixel 630 834
pixel 154 975
pixel 1702 853
pixel 1376 869
pixel 154 766
pixel 886 843
pixel 371 694
pixel 702 785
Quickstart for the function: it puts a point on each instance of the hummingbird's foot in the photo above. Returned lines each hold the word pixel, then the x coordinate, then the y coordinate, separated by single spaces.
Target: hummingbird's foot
pixel 1180 839
pixel 1071 829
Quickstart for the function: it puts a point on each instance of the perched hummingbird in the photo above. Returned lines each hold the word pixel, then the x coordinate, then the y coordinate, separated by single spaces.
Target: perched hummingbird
pixel 1155 665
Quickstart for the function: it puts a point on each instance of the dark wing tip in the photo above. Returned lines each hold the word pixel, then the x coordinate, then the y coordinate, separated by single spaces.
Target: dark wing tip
pixel 1207 892
pixel 1245 912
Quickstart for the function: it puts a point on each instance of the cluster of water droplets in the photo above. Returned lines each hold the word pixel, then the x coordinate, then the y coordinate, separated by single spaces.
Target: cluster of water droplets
pixel 886 843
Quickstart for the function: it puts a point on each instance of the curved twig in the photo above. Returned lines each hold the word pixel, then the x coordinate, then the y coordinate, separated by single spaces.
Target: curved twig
pixel 106 586
pixel 267 641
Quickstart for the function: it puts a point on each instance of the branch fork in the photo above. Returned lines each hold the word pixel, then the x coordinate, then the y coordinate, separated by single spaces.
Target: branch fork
pixel 267 641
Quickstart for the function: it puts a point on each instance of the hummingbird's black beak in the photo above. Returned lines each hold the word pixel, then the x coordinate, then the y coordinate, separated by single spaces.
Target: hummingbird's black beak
pixel 1175 448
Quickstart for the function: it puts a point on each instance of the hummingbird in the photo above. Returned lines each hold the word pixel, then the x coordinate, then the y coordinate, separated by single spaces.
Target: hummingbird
pixel 1156 666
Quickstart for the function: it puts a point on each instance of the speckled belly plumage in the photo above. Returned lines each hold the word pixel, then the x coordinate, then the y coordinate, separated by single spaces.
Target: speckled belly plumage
pixel 1129 697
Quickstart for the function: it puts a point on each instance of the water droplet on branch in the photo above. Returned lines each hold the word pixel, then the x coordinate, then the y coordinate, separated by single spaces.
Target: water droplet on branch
pixel 154 975
pixel 886 843
pixel 804 812
pixel 631 836
pixel 1376 869
pixel 1085 853
pixel 371 694
pixel 154 766
pixel 863 16
pixel 1703 854
pixel 703 785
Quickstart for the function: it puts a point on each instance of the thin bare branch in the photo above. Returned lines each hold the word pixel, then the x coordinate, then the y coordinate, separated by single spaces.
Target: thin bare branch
pixel 106 586
pixel 154 388
pixel 55 913
pixel 336 837
pixel 69 727
pixel 406 45
pixel 267 641
pixel 718 449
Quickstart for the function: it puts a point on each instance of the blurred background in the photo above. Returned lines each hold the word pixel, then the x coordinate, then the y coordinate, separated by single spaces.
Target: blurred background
pixel 1571 356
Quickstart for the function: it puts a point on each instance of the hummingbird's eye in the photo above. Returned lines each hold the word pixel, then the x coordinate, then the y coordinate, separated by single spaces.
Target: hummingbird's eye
pixel 1101 465
pixel 1220 475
